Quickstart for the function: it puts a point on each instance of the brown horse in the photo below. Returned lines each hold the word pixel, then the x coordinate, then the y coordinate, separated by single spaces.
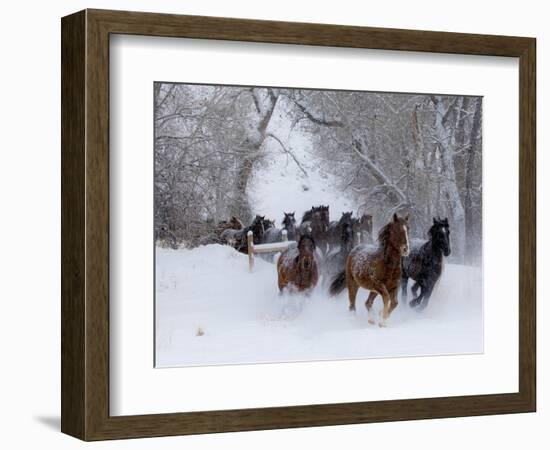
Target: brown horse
pixel 379 271
pixel 297 266
pixel 214 236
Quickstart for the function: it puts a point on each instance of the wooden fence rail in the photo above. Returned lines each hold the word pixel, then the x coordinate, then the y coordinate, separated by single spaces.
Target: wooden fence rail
pixel 273 247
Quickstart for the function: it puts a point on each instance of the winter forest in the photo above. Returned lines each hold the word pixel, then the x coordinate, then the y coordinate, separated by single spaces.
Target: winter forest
pixel 382 152
pixel 319 182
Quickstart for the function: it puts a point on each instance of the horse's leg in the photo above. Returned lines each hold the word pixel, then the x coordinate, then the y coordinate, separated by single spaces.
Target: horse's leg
pixel 417 298
pixel 281 282
pixel 368 305
pixel 393 300
pixel 415 302
pixel 353 287
pixel 426 294
pixel 387 302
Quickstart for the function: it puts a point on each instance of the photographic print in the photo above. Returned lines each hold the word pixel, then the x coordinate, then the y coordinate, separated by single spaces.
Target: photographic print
pixel 298 224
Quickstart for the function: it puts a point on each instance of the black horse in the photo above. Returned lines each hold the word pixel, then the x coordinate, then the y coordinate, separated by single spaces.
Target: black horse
pixel 424 264
pixel 362 227
pixel 336 261
pixel 315 223
pixel 268 224
pixel 238 238
pixel 274 234
pixel 336 229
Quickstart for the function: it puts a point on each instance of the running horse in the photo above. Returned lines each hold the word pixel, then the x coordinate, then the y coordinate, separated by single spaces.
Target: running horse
pixel 378 271
pixel 238 238
pixel 424 265
pixel 315 222
pixel 297 266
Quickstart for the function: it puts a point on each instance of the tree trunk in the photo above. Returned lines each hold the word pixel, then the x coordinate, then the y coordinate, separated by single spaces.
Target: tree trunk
pixel 473 241
pixel 449 188
pixel 265 106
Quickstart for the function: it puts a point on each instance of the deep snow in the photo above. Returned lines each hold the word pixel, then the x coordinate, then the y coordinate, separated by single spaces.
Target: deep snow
pixel 211 310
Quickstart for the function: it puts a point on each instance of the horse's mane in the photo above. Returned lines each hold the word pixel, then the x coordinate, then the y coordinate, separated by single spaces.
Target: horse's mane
pixel 308 214
pixel 384 234
pixel 432 230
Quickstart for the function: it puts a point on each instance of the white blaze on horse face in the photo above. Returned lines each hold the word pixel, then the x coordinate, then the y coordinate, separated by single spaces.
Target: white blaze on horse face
pixel 407 247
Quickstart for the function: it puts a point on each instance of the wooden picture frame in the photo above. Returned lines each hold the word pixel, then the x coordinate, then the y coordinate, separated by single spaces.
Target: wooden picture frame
pixel 85 224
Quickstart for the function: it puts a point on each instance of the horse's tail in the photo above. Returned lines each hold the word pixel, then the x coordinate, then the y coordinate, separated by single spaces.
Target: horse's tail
pixel 338 283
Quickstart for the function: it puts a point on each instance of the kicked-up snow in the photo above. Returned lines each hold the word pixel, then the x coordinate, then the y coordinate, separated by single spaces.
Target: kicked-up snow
pixel 211 310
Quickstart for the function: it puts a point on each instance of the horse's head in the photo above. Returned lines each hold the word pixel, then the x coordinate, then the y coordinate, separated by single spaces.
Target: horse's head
pixel 306 252
pixel 325 216
pixel 440 235
pixel 258 225
pixel 396 234
pixel 365 223
pixel 235 223
pixel 347 218
pixel 289 221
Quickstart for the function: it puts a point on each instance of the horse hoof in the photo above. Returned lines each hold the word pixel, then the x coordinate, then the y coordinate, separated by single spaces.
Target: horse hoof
pixel 372 322
pixel 382 324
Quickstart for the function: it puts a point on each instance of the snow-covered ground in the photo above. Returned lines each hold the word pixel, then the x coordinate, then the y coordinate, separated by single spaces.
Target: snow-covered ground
pixel 211 310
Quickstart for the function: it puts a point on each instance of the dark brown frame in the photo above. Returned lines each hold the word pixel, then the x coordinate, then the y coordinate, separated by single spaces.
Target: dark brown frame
pixel 85 224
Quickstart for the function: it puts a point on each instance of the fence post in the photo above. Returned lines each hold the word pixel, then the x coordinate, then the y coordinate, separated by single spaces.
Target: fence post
pixel 285 236
pixel 250 242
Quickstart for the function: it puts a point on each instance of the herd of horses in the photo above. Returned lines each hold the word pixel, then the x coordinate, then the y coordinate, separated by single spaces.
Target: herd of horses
pixel 345 254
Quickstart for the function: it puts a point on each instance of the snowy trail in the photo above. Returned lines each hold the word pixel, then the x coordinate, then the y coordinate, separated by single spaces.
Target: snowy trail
pixel 279 185
pixel 211 310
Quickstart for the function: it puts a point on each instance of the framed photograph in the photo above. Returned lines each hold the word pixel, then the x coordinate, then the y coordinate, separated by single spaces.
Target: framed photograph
pixel 271 224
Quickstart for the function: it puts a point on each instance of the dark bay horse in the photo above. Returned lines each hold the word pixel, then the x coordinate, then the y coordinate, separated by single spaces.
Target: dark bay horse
pixel 336 227
pixel 425 264
pixel 315 222
pixel 237 238
pixel 274 234
pixel 363 225
pixel 335 262
pixel 214 236
pixel 379 271
pixel 297 266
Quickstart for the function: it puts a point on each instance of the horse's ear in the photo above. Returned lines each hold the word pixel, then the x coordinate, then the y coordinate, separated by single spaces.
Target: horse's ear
pixel 407 217
pixel 435 221
pixel 395 218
